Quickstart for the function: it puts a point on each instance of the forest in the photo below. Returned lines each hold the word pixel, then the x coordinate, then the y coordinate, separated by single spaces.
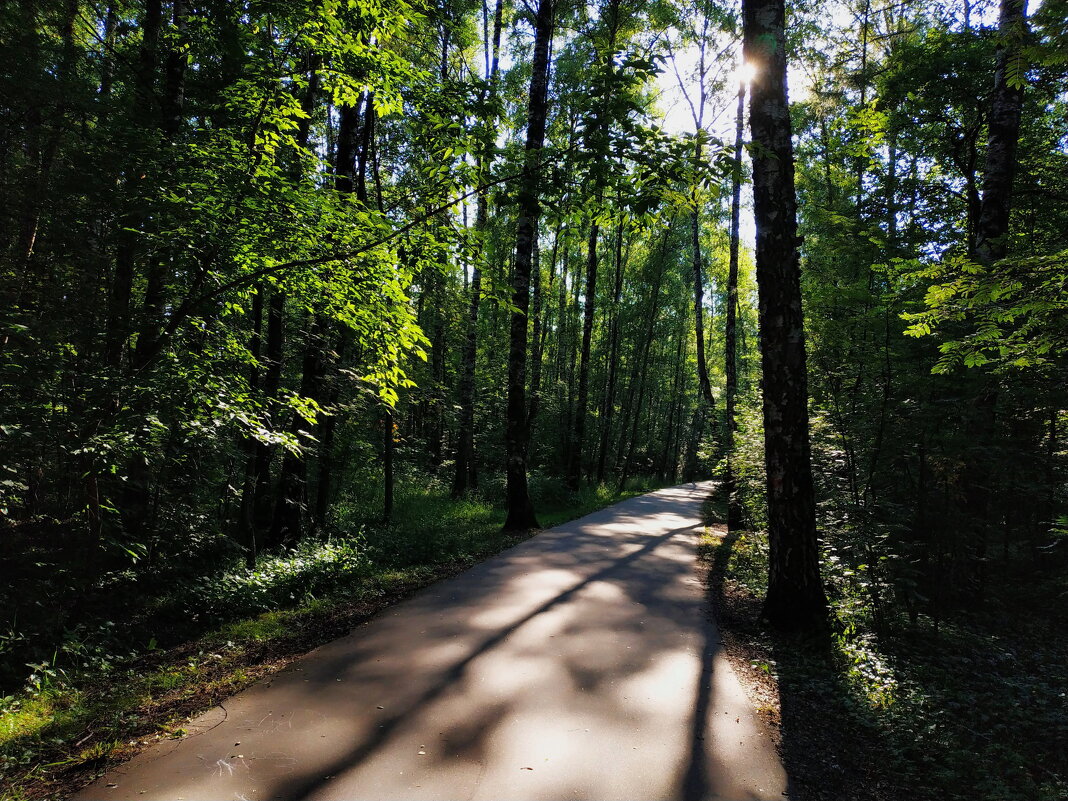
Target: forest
pixel 305 304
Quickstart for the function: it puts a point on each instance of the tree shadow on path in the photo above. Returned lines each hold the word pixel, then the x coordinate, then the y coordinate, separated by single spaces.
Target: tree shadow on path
pixel 696 781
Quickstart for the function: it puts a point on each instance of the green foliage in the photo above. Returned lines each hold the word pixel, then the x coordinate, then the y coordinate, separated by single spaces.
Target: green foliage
pixel 748 563
pixel 227 250
pixel 975 704
pixel 1013 313
pixel 277 582
pixel 749 463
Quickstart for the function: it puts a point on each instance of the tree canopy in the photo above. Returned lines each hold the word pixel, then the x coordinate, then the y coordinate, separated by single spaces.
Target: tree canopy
pixel 262 262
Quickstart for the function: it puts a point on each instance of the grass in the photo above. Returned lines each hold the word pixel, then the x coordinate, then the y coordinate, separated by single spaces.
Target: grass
pixel 74 720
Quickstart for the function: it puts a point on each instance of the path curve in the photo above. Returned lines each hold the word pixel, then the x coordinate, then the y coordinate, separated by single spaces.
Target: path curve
pixel 581 664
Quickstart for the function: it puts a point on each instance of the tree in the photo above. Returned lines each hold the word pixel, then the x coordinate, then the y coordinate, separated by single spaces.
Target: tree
pixel 699 33
pixel 520 509
pixel 1003 135
pixel 795 598
pixel 730 339
pixel 466 473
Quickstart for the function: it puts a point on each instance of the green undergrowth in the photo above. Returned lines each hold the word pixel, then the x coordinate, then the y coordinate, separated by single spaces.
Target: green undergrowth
pixel 118 684
pixel 973 708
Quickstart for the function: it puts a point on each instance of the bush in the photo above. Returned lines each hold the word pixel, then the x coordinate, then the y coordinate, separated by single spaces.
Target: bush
pixel 277 582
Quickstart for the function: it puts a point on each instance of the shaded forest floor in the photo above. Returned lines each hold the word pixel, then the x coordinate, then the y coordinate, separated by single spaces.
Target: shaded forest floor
pixel 974 708
pixel 73 721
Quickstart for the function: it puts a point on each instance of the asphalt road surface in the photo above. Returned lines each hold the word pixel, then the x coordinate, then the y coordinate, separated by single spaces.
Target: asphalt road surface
pixel 580 664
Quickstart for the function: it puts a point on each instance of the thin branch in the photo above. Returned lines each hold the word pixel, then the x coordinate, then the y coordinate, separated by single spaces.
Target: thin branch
pixel 188 307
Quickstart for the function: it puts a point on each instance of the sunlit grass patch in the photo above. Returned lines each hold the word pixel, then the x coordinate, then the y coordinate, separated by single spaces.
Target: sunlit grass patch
pixel 748 561
pixel 26 715
pixel 261 627
pixel 708 542
pixel 166 680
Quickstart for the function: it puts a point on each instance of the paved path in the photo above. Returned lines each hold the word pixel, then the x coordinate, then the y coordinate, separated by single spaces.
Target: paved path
pixel 579 664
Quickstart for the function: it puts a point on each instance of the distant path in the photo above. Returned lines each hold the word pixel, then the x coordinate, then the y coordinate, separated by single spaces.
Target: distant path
pixel 579 664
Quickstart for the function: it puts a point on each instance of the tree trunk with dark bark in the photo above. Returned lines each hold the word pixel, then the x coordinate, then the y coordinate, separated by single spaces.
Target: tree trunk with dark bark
pixel 699 300
pixel 272 378
pixel 246 524
pixel 734 507
pixel 291 499
pixel 1003 136
pixel 171 106
pixel 538 334
pixel 675 410
pixel 613 357
pixel 324 480
pixel 388 446
pixel 345 155
pixel 795 598
pixel 520 515
pixel 634 405
pixel 574 468
pixel 991 234
pixel 466 474
pixel 436 434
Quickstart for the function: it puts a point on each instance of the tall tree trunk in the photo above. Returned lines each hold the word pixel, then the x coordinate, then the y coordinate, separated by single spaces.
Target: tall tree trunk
pixel 1002 138
pixel 345 153
pixel 613 357
pixel 635 418
pixel 973 201
pixel 347 148
pixel 107 64
pixel 539 332
pixel 171 106
pixel 272 379
pixel 132 218
pixel 41 149
pixel 597 138
pixel 324 479
pixel 634 404
pixel 559 345
pixel 991 233
pixel 438 345
pixel 693 442
pixel 466 474
pixel 891 195
pixel 135 495
pixel 795 598
pixel 571 349
pixel 675 409
pixel 520 514
pixel 246 523
pixel 363 154
pixel 680 422
pixel 388 446
pixel 173 102
pixel 699 297
pixel 368 157
pixel 291 498
pixel 574 468
pixel 275 514
pixel 860 162
pixel 734 506
pixel 287 523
